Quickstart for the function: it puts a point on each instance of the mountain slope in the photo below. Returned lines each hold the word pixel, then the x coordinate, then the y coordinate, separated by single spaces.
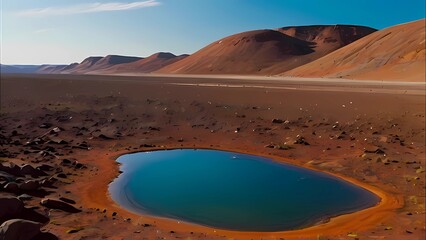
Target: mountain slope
pixel 267 51
pixel 146 65
pixel 8 69
pixel 18 68
pixel 50 68
pixel 91 64
pixel 396 53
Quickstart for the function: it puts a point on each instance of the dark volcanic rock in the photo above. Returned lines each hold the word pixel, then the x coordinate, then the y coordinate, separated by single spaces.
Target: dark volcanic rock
pixel 24 197
pixel 48 182
pixel 62 175
pixel 10 207
pixel 67 200
pixel 66 162
pixel 45 236
pixel 11 169
pixel 57 204
pixel 45 125
pixel 30 185
pixel 45 167
pixel 376 151
pixel 11 187
pixel 19 229
pixel 277 120
pixel 30 170
pixel 301 140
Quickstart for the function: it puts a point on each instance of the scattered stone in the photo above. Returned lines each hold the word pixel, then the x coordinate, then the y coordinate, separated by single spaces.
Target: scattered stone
pixel 277 120
pixel 56 140
pixel 66 162
pixel 410 162
pixel 284 147
pixel 48 182
pixel 79 165
pixel 75 230
pixel 105 137
pixel 33 172
pixel 352 235
pixel 147 145
pixel 30 185
pixel 57 204
pixel 67 200
pixel 45 236
pixel 420 170
pixel 301 140
pixel 376 151
pixel 45 125
pixel 45 167
pixel 61 175
pixel 11 207
pixel 55 130
pixel 11 187
pixel 11 169
pixel 24 197
pixel 19 229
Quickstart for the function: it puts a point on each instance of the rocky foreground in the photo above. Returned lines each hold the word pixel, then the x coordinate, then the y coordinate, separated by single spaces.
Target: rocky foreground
pixel 59 137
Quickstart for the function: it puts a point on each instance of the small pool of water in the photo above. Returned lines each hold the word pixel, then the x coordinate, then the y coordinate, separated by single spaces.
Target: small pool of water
pixel 233 191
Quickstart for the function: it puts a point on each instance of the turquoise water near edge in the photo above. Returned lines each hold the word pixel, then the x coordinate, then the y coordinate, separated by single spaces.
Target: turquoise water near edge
pixel 232 191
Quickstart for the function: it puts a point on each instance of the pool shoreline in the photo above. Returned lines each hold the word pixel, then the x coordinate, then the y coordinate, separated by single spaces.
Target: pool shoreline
pixel 130 165
pixel 97 195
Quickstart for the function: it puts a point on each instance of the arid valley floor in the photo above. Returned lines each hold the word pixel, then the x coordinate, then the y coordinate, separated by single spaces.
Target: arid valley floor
pixel 72 127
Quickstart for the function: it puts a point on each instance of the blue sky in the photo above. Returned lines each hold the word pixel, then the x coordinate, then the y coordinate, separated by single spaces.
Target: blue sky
pixel 52 31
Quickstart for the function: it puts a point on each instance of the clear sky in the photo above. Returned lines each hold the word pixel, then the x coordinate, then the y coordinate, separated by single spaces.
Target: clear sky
pixel 65 31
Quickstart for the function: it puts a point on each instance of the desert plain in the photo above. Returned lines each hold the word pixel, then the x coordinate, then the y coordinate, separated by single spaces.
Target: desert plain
pixel 64 132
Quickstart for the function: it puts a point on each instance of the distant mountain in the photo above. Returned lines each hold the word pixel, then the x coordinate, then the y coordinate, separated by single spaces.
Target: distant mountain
pixel 116 64
pixel 96 63
pixel 146 65
pixel 8 69
pixel 309 51
pixel 396 53
pixel 50 68
pixel 84 66
pixel 267 52
pixel 18 68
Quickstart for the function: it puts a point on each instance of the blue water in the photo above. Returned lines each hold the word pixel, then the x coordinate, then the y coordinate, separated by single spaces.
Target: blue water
pixel 232 191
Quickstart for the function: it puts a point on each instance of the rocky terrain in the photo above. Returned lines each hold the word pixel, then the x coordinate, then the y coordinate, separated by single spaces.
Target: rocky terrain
pixel 60 136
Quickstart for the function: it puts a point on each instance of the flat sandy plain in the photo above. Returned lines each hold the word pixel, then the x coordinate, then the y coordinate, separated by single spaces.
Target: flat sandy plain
pixel 371 133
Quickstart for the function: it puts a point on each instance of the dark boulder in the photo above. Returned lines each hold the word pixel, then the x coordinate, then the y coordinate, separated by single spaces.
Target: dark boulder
pixel 30 185
pixel 301 140
pixel 30 170
pixel 277 120
pixel 11 207
pixel 11 169
pixel 19 229
pixel 11 187
pixel 57 204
